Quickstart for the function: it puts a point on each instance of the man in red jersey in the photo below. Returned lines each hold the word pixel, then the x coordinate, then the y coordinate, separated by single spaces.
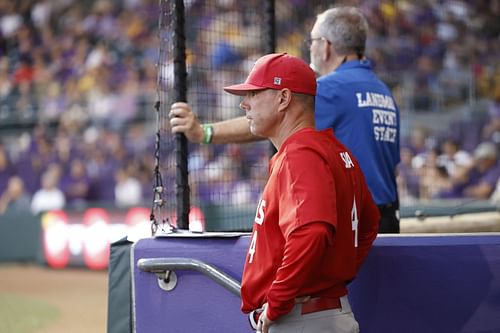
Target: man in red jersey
pixel 316 219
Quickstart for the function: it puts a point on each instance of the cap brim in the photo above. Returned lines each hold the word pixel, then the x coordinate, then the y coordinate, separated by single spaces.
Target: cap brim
pixel 242 88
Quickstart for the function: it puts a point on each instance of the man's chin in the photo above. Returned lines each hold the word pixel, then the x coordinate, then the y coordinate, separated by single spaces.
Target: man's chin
pixel 254 131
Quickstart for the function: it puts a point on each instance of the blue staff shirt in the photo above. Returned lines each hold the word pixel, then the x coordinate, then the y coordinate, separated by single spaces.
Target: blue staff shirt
pixel 360 109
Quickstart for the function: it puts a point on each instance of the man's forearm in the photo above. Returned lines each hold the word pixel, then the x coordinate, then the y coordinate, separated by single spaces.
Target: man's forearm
pixel 234 130
pixel 183 120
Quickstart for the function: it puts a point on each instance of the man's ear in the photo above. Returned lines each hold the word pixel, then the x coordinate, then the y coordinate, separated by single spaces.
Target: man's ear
pixel 327 52
pixel 285 97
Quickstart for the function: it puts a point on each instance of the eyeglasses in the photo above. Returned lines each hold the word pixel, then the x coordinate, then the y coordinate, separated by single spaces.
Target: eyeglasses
pixel 309 41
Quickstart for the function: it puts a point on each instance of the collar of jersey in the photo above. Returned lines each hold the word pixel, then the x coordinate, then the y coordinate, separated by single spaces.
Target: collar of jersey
pixel 354 64
pixel 287 140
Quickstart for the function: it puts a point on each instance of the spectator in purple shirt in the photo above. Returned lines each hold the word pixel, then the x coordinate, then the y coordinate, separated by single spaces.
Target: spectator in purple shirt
pixel 480 179
pixel 76 184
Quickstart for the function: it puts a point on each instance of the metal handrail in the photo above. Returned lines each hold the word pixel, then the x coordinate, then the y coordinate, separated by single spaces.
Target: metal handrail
pixel 162 265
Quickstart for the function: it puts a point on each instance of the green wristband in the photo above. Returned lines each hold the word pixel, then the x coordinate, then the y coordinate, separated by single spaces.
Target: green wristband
pixel 208 133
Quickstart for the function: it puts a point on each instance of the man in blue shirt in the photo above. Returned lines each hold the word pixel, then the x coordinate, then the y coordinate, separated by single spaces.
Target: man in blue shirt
pixel 350 99
pixel 359 107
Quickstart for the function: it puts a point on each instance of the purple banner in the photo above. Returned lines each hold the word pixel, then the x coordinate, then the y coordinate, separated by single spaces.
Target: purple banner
pixel 408 284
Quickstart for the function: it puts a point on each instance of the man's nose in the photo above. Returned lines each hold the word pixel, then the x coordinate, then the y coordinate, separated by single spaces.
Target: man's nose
pixel 243 106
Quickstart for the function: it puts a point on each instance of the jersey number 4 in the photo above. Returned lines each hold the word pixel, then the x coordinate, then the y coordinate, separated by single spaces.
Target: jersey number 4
pixel 354 221
pixel 251 250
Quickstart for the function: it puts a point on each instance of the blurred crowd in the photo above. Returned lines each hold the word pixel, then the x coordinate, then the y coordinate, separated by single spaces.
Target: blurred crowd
pixel 78 81
pixel 442 170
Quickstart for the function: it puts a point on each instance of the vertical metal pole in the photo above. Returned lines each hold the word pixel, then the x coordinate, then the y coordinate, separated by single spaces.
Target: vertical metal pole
pixel 270 39
pixel 180 95
pixel 270 24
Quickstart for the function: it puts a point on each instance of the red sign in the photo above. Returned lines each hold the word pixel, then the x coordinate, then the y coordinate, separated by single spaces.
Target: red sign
pixel 83 239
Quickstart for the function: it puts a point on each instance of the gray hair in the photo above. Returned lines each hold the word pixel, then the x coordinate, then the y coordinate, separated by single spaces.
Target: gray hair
pixel 346 28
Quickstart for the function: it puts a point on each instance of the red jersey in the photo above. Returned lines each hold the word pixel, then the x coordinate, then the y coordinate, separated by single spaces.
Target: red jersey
pixel 314 225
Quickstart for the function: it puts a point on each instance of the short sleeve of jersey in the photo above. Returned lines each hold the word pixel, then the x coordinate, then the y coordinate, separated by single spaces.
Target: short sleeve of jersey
pixel 306 190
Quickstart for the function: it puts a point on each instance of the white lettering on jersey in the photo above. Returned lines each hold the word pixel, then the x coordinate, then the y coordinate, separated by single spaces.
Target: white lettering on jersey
pixel 385 123
pixel 354 221
pixel 383 133
pixel 251 249
pixel 369 99
pixel 347 160
pixel 259 215
pixel 384 117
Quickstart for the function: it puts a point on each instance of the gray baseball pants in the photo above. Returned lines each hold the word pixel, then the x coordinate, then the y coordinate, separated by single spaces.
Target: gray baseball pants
pixel 328 321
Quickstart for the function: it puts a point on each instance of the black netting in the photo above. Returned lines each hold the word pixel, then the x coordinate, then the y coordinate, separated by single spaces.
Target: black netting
pixel 222 42
pixel 223 39
pixel 407 45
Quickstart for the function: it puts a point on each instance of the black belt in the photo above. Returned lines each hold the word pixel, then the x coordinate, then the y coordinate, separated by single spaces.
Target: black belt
pixel 390 205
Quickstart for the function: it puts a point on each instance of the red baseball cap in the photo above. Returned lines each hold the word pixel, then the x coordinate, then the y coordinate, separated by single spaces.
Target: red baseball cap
pixel 278 71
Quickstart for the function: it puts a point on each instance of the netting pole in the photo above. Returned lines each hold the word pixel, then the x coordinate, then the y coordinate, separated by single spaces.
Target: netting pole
pixel 270 24
pixel 270 39
pixel 180 95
